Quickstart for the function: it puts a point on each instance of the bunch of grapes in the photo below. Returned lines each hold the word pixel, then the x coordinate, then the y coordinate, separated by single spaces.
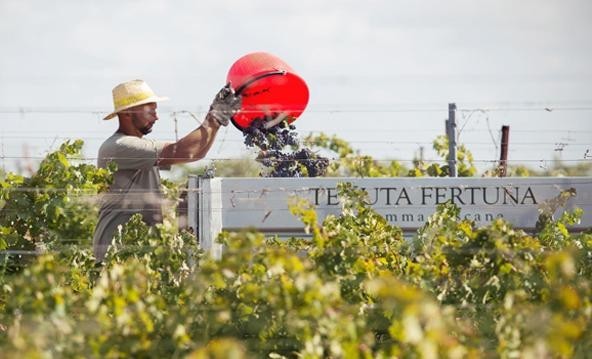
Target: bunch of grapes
pixel 281 153
pixel 276 137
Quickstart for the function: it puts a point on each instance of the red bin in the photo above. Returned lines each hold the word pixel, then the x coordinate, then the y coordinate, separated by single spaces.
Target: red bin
pixel 268 86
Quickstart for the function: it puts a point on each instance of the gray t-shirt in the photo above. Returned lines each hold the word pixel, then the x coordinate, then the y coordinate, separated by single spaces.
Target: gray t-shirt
pixel 135 187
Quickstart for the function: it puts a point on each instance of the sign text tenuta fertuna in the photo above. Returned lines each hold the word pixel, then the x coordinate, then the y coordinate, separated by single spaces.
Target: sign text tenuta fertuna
pixel 263 203
pixel 430 196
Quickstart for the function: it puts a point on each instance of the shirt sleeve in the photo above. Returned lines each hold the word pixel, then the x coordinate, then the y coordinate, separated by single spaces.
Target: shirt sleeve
pixel 159 146
pixel 130 152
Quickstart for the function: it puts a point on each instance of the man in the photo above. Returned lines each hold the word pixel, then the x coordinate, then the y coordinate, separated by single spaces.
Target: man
pixel 136 183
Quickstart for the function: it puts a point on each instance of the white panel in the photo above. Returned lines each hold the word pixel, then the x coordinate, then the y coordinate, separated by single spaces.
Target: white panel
pixel 262 203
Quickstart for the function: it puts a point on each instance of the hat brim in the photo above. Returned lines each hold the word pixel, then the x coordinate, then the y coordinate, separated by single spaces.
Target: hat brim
pixel 143 102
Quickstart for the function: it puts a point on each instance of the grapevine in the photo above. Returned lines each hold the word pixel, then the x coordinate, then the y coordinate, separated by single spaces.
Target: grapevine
pixel 356 288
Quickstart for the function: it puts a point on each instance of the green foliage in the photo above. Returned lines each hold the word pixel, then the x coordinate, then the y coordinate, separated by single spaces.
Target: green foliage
pixel 66 305
pixel 351 163
pixel 268 296
pixel 355 288
pixel 168 255
pixel 54 207
pixel 464 162
pixel 506 283
pixel 555 168
pixel 354 247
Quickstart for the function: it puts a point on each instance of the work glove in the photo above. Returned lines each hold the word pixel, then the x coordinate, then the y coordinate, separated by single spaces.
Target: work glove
pixel 225 105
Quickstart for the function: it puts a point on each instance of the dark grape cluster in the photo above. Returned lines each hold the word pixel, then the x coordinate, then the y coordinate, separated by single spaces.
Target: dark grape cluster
pixel 281 153
pixel 276 137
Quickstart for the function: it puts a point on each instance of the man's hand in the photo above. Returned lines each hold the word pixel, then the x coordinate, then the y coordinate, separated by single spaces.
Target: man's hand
pixel 225 105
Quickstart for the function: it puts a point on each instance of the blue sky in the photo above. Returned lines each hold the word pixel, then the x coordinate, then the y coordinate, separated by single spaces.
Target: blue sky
pixel 380 73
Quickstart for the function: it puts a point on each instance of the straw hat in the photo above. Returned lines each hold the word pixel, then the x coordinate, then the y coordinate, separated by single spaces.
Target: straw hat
pixel 132 93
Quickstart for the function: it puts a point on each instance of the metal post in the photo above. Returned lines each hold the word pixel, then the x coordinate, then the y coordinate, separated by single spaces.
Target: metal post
pixel 193 204
pixel 503 166
pixel 210 215
pixel 451 133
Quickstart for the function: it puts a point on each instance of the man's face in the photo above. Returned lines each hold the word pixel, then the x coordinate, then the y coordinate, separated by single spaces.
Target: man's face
pixel 143 117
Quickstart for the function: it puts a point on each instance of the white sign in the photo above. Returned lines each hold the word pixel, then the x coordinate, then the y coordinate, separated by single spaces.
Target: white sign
pixel 263 203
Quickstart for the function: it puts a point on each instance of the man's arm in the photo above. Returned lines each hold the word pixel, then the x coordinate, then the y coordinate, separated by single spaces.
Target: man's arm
pixel 192 147
pixel 197 143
